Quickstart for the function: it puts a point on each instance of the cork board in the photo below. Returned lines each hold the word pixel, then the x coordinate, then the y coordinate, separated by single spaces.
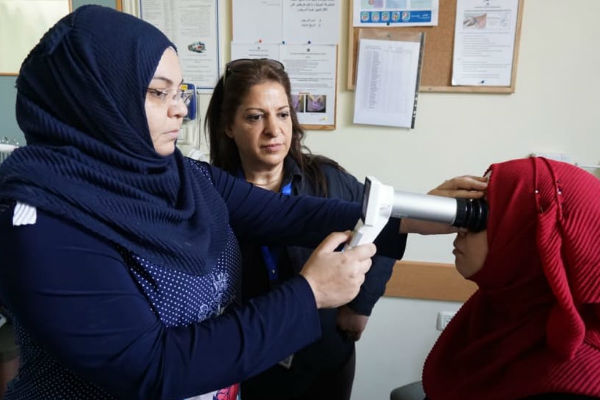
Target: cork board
pixel 436 69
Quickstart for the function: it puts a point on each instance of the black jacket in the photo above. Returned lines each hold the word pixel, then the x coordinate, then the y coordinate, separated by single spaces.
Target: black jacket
pixel 333 349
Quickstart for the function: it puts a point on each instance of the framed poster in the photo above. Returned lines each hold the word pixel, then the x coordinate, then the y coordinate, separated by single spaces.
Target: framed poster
pixel 193 25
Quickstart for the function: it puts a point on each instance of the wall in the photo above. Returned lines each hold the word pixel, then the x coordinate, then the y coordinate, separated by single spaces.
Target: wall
pixel 8 122
pixel 554 109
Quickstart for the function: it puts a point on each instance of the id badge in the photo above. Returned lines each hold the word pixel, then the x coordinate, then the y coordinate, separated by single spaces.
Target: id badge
pixel 287 362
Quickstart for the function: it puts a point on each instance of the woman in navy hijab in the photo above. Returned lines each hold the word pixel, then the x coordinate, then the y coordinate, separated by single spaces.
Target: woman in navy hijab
pixel 120 263
pixel 119 266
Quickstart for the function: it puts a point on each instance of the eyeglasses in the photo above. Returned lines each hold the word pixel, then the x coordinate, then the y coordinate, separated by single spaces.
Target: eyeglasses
pixel 173 94
pixel 240 63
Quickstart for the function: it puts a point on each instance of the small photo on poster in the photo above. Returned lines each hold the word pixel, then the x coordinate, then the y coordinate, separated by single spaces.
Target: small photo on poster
pixel 316 103
pixel 299 102
pixel 474 21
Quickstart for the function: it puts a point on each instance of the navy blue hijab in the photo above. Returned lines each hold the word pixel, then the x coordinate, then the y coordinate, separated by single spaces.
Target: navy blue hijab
pixel 89 157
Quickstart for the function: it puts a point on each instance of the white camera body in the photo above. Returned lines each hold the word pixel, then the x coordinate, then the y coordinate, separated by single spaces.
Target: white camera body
pixel 378 201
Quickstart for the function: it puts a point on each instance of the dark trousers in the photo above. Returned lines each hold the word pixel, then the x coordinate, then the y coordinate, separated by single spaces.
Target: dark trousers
pixel 333 386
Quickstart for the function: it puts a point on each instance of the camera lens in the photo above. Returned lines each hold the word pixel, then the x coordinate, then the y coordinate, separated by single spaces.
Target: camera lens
pixel 471 214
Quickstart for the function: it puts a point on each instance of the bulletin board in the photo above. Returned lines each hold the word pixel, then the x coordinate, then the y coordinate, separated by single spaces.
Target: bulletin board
pixel 436 70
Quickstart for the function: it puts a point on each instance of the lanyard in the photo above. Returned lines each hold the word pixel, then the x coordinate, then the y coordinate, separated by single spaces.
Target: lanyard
pixel 271 256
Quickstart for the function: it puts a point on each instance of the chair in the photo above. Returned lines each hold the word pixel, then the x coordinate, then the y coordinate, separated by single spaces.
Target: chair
pixel 411 391
pixel 9 356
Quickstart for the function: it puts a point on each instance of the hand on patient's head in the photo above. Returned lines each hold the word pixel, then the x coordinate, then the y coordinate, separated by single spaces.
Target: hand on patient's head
pixel 466 186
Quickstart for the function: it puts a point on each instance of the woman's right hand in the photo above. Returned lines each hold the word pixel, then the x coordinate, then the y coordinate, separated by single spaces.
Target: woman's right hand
pixel 335 277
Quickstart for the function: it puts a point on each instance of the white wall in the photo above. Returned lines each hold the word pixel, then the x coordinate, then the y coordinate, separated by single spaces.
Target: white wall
pixel 555 108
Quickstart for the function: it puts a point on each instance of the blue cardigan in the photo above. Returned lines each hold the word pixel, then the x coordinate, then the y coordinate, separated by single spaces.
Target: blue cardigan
pixel 97 322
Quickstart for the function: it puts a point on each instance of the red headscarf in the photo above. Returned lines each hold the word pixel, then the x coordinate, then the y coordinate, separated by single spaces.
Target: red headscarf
pixel 533 326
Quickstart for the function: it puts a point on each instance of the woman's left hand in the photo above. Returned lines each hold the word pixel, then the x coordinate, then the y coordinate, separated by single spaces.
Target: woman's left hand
pixel 351 323
pixel 466 187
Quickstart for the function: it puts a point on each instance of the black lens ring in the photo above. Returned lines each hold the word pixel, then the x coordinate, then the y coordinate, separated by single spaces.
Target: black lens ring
pixel 471 214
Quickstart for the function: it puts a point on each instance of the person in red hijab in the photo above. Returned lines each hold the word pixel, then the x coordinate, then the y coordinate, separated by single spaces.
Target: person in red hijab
pixel 532 329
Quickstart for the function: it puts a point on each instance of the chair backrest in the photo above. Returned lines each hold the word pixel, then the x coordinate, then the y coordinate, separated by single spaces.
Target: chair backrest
pixel 411 391
pixel 5 150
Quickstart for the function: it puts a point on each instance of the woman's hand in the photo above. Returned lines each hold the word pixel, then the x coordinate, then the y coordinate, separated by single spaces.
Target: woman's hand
pixel 335 277
pixel 466 187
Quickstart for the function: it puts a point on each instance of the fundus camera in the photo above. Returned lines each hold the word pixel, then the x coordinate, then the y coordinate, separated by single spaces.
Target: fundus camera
pixel 380 202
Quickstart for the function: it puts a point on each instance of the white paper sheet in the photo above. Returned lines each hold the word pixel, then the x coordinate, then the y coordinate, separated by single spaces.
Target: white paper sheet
pixel 311 21
pixel 312 72
pixel 394 13
pixel 286 21
pixel 386 84
pixel 257 21
pixel 193 26
pixel 484 42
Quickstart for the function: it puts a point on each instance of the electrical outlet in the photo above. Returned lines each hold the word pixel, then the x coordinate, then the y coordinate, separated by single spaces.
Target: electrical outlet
pixel 443 318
